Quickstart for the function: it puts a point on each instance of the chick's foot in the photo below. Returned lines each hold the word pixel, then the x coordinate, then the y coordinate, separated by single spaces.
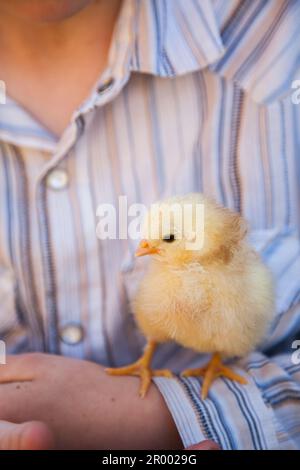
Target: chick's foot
pixel 142 369
pixel 211 371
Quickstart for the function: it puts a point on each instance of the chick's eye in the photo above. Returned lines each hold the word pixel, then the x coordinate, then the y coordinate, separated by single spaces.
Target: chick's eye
pixel 169 238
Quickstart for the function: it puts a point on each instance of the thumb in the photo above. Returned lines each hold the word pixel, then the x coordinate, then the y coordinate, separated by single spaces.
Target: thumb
pixel 204 445
pixel 32 435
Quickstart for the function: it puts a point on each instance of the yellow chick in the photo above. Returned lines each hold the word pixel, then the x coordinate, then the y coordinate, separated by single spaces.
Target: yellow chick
pixel 206 288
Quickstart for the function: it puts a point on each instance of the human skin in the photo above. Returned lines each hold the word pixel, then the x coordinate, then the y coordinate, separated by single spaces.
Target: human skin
pixel 37 436
pixel 83 406
pixel 35 11
pixel 53 53
pixel 25 436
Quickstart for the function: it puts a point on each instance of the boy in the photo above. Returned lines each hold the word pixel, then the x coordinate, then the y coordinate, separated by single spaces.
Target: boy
pixel 144 99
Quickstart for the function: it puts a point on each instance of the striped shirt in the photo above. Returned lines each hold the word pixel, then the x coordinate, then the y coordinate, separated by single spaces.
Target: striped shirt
pixel 196 96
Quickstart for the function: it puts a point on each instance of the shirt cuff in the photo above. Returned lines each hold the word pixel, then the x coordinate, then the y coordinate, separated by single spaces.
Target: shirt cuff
pixel 234 416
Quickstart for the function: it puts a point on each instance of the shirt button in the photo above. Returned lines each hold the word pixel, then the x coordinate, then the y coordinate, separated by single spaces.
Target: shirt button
pixel 57 179
pixel 106 85
pixel 71 334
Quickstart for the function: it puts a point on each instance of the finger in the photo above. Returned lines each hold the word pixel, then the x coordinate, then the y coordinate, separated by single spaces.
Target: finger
pixel 12 370
pixel 32 435
pixel 204 445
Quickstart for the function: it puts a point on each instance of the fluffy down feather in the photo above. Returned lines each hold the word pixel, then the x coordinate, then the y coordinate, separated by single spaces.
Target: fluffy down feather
pixel 218 298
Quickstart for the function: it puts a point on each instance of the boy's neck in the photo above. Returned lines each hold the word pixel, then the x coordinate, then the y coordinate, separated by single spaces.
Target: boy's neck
pixel 53 65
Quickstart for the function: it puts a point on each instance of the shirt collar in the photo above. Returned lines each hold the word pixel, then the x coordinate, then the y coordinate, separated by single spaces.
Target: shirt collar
pixel 168 37
pixel 159 37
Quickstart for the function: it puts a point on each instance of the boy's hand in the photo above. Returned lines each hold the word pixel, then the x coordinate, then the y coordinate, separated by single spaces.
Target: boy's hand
pixel 204 445
pixel 84 406
pixel 25 436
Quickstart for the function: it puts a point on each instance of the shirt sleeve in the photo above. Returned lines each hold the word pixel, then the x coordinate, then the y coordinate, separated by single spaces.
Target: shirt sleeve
pixel 264 414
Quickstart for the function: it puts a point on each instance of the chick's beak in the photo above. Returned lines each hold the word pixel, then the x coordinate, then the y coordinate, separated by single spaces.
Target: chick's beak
pixel 145 249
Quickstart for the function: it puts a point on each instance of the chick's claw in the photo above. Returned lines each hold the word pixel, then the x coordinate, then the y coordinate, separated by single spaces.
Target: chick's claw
pixel 211 371
pixel 143 371
pixel 197 372
pixel 132 369
pixel 162 373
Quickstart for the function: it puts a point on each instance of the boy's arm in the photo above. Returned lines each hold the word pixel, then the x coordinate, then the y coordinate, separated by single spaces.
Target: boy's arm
pixel 84 406
pixel 38 435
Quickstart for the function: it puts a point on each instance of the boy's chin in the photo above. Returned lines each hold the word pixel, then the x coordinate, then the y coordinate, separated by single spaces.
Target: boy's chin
pixel 45 11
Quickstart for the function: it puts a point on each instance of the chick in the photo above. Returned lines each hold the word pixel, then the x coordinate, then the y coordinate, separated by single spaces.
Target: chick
pixel 205 288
